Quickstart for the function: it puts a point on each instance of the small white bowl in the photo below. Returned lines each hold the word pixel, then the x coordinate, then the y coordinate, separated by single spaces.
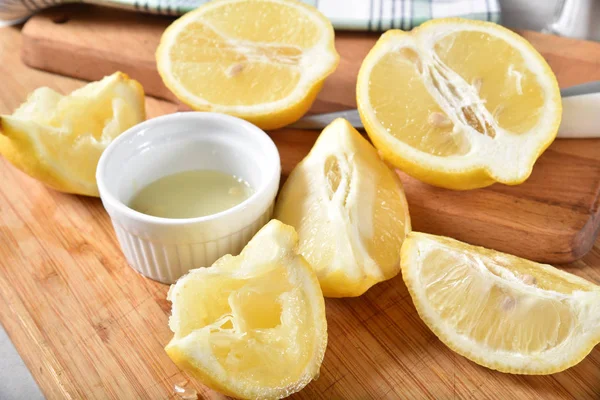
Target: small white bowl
pixel 164 249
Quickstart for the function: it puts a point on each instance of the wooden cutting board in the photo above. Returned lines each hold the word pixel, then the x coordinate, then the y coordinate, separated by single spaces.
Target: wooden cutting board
pixel 88 326
pixel 554 217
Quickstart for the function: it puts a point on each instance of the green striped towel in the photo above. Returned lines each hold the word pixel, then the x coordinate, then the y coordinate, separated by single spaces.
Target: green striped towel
pixel 368 15
pixel 381 15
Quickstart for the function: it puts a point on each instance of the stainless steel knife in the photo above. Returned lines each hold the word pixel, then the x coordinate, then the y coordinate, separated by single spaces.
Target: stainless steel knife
pixel 580 119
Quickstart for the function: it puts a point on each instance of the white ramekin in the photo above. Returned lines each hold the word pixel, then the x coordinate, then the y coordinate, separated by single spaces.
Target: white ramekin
pixel 164 249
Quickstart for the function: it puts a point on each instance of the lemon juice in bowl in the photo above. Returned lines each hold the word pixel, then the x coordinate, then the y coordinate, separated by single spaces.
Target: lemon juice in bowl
pixel 191 194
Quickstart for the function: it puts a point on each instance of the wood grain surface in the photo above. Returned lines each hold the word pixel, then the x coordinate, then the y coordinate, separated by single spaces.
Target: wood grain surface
pixel 88 326
pixel 554 217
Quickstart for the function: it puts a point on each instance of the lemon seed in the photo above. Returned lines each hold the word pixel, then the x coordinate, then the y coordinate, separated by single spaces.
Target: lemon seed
pixel 439 120
pixel 508 303
pixel 529 279
pixel 235 69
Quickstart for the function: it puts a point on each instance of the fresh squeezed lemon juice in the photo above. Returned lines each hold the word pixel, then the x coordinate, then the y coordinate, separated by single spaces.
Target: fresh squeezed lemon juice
pixel 191 194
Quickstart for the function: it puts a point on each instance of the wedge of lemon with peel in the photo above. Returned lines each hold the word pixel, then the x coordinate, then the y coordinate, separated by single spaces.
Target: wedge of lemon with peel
pixel 501 311
pixel 58 139
pixel 459 104
pixel 349 210
pixel 261 60
pixel 251 326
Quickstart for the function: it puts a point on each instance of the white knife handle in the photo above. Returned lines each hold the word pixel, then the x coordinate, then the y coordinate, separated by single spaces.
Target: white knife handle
pixel 580 117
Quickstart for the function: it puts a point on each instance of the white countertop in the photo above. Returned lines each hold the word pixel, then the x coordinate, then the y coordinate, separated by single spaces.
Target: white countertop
pixel 16 381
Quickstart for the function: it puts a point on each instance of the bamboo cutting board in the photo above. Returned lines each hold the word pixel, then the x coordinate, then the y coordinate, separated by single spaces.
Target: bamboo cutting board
pixel 554 217
pixel 88 326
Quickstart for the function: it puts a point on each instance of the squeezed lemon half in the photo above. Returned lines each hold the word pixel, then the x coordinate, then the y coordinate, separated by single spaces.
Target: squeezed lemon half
pixel 458 103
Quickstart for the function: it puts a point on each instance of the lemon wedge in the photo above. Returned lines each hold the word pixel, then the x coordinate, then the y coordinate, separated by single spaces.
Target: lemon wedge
pixel 458 103
pixel 498 310
pixel 251 326
pixel 58 139
pixel 261 60
pixel 349 210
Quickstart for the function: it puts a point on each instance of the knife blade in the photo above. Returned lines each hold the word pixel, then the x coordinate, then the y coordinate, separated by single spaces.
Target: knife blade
pixel 580 119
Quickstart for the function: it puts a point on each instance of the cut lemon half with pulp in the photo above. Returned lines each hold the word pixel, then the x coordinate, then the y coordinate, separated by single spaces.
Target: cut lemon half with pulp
pixel 58 139
pixel 459 104
pixel 349 210
pixel 261 60
pixel 501 311
pixel 251 326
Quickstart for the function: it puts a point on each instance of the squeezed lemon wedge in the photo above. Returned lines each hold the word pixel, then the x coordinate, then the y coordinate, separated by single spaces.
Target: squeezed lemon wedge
pixel 349 210
pixel 251 326
pixel 58 139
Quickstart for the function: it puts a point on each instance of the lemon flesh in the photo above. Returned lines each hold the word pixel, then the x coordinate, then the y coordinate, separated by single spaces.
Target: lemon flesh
pixel 58 139
pixel 349 210
pixel 262 60
pixel 501 311
pixel 458 103
pixel 251 326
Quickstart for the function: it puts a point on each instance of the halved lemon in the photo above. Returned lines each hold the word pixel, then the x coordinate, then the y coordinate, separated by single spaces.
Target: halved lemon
pixel 349 210
pixel 458 103
pixel 58 139
pixel 261 60
pixel 251 326
pixel 501 311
